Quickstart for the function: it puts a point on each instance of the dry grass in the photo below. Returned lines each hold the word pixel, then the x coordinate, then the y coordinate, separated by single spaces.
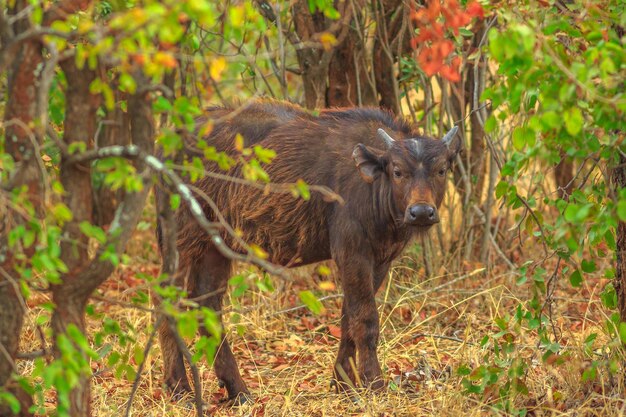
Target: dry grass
pixel 428 328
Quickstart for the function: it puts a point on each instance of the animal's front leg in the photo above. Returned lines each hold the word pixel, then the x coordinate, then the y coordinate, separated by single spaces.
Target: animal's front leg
pixel 360 325
pixel 346 358
pixel 364 329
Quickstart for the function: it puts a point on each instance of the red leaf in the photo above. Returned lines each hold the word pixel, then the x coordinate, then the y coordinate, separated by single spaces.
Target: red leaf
pixel 475 9
pixel 450 73
pixel 334 331
pixel 442 49
pixel 433 9
pixel 429 62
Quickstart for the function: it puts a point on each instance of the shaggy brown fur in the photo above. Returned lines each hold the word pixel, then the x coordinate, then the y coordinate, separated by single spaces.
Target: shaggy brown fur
pixel 390 193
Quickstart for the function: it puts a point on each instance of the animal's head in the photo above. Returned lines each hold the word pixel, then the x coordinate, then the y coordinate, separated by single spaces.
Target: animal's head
pixel 415 169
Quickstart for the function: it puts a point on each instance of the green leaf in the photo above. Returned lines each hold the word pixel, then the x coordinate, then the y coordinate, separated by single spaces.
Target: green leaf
pixel 523 136
pixel 62 213
pixel 174 201
pixel 466 32
pixel 576 279
pixel 128 84
pixel 621 210
pixel 311 301
pixel 238 281
pixel 588 266
pixel 264 155
pixel 551 119
pixel 93 231
pixel 528 37
pixel 10 400
pixel 187 325
pixel 161 105
pixel 491 124
pixel 501 189
pixel 609 296
pixel 302 190
pixel 573 121
pixel 621 329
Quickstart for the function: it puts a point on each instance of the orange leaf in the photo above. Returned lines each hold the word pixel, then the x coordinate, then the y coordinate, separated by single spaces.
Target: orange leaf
pixel 165 59
pixel 433 9
pixel 442 49
pixel 429 62
pixel 475 9
pixel 334 331
pixel 450 73
pixel 327 285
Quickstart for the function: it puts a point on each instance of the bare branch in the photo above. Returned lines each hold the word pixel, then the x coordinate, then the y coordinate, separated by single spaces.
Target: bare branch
pixel 146 352
pixel 186 194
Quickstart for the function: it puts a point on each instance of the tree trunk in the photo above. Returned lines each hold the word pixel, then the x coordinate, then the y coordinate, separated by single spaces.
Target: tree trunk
pixel 564 177
pixel 619 183
pixel 80 126
pixel 20 143
pixel 462 98
pixel 393 35
pixel 85 275
pixel 348 77
pixel 115 131
pixel 313 61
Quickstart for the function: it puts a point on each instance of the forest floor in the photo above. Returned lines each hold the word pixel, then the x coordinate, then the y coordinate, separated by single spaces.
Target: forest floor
pixel 429 328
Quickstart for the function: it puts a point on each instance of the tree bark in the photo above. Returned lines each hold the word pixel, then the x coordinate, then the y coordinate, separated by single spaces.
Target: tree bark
pixel 21 143
pixel 392 40
pixel 80 126
pixel 313 61
pixel 115 131
pixel 619 183
pixel 462 97
pixel 564 177
pixel 85 274
pixel 348 78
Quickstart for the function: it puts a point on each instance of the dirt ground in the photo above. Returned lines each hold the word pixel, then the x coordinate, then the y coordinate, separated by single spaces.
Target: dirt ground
pixel 429 327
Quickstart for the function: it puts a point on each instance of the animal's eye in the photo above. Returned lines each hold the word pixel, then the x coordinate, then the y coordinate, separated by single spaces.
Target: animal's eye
pixel 397 173
pixel 442 171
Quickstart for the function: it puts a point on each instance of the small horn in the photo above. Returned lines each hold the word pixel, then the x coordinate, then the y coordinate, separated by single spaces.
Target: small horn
pixel 450 135
pixel 385 137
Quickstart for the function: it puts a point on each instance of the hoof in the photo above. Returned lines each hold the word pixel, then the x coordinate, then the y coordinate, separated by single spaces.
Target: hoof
pixel 191 405
pixel 377 385
pixel 241 399
pixel 238 400
pixel 179 392
pixel 341 386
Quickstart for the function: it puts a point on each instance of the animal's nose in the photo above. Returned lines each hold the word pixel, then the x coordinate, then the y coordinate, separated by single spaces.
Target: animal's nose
pixel 422 214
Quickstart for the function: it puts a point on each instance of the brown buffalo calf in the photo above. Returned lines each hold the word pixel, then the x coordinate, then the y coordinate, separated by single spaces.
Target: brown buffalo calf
pixel 392 181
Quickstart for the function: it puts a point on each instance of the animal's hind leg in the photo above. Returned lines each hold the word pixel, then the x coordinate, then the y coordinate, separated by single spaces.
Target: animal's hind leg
pixel 174 374
pixel 210 291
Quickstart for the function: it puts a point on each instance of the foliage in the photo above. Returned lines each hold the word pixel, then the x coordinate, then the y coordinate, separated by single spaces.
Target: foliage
pixel 560 85
pixel 557 94
pixel 434 49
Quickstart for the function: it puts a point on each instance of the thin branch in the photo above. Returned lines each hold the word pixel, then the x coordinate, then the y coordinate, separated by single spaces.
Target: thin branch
pixel 197 382
pixel 181 188
pixel 283 188
pixel 615 102
pixel 444 337
pixel 146 352
pixel 29 356
pixel 299 307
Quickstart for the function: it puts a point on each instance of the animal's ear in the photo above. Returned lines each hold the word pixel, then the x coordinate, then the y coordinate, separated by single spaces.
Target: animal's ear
pixel 368 163
pixel 452 141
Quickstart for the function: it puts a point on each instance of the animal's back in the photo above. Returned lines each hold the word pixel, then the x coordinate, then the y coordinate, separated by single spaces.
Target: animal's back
pixel 316 149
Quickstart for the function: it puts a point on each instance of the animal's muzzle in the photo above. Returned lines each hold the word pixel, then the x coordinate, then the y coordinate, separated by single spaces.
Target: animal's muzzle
pixel 421 215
